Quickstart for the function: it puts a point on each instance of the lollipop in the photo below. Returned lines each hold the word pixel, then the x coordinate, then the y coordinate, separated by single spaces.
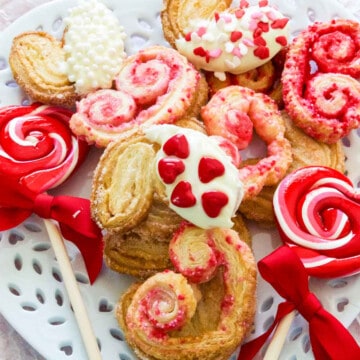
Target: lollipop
pixel 37 146
pixel 318 211
pixel 38 152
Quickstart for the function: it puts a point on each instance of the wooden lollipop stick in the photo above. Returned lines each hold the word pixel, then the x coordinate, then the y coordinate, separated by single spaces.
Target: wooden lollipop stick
pixel 73 291
pixel 277 342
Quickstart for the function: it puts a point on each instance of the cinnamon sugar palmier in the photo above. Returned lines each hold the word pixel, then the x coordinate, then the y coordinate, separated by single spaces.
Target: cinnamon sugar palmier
pixel 202 312
pixel 35 60
pixel 122 191
pixel 306 151
pixel 320 87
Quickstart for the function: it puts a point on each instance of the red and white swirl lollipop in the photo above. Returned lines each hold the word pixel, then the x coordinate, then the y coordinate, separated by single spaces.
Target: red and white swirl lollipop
pixel 37 147
pixel 318 214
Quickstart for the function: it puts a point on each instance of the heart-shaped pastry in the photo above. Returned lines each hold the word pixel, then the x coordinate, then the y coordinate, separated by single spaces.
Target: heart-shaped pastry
pixel 36 59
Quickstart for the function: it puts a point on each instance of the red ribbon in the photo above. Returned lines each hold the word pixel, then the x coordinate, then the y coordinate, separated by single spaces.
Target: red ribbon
pixel 329 338
pixel 17 203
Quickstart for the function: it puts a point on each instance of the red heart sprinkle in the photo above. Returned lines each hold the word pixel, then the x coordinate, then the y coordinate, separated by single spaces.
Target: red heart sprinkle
pixel 209 169
pixel 178 146
pixel 182 195
pixel 169 169
pixel 262 52
pixel 281 40
pixel 235 36
pixel 213 202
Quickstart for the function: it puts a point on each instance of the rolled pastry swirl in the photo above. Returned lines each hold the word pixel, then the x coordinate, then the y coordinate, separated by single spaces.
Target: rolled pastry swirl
pixel 156 85
pixel 37 146
pixel 170 317
pixel 232 113
pixel 306 151
pixel 320 89
pixel 35 60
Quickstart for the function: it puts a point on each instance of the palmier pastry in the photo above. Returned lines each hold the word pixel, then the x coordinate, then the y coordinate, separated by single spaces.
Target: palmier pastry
pixel 122 191
pixel 35 60
pixel 306 151
pixel 201 311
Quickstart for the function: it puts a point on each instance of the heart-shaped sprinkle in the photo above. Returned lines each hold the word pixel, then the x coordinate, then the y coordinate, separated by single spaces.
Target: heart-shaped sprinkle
pixel 182 195
pixel 213 202
pixel 178 146
pixel 209 169
pixel 169 169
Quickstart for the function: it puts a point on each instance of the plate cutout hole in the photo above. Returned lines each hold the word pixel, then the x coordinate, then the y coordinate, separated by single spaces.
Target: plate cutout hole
pixel 268 322
pixel 40 296
pixel 267 304
pixel 341 304
pixel 117 334
pixel 306 344
pixel 32 227
pixel 104 306
pixel 37 266
pixel 59 298
pixel 56 275
pixel 18 263
pixel 3 63
pixel 40 247
pixel 81 278
pixel 56 321
pixel 67 349
pixel 15 237
pixel 295 333
pixel 14 289
pixel 29 307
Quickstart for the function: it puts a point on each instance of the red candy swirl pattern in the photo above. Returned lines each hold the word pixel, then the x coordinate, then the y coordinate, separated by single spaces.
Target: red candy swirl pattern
pixel 157 85
pixel 37 146
pixel 320 88
pixel 318 214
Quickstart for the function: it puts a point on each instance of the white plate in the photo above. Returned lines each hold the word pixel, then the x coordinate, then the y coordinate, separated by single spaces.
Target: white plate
pixel 32 296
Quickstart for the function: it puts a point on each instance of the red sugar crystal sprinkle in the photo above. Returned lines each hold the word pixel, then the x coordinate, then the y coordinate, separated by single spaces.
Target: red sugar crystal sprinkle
pixel 281 40
pixel 235 36
pixel 217 17
pixel 262 52
pixel 279 23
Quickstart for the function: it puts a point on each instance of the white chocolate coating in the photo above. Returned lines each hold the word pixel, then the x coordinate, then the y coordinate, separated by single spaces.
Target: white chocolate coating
pixel 94 46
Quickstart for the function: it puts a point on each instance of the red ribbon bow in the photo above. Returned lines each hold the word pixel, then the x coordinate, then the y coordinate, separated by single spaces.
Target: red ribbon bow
pixel 17 203
pixel 329 338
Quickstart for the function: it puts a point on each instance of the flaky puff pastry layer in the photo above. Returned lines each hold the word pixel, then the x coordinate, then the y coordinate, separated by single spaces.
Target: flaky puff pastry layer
pixel 35 60
pixel 176 15
pixel 158 316
pixel 306 151
pixel 122 188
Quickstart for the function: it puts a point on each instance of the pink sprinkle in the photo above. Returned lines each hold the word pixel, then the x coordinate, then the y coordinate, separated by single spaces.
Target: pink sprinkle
pixel 215 53
pixel 248 42
pixel 201 31
pixel 253 25
pixel 257 15
pixel 227 18
pixel 271 15
pixel 237 52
